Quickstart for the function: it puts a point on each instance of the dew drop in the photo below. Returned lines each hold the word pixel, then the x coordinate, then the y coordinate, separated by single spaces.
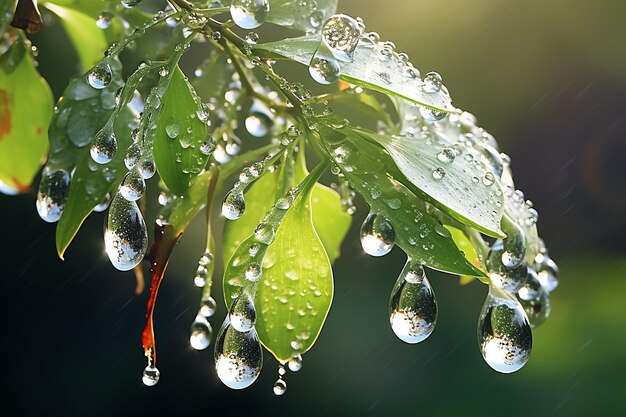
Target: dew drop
pixel 125 235
pixel 147 168
pixel 295 363
pixel 208 306
pixel 439 173
pixel 341 33
pixel 280 386
pixel 547 272
pixel 104 20
pixel 258 124
pixel 242 314
pixel 446 155
pixel 377 235
pixel 207 146
pixel 510 279
pixel 412 306
pixel 100 76
pixel 172 130
pixel 324 69
pixel 504 333
pixel 534 299
pixel 104 146
pixel 249 14
pixel 432 82
pixel 133 154
pixel 52 194
pixel 234 205
pixel 133 186
pixel 238 357
pixel 150 376
pixel 201 333
pixel 254 272
pixel 265 233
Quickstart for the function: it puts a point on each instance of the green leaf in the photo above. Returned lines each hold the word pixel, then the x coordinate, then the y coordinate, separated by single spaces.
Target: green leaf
pixel 466 246
pixel 89 40
pixel 216 77
pixel 294 294
pixel 418 233
pixel 366 70
pixel 91 182
pixel 25 112
pixel 178 159
pixel 7 7
pixel 455 184
pixel 183 209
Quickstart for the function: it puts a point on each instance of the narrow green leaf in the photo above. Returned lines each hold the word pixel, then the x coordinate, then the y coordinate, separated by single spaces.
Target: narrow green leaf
pixel 183 209
pixel 418 233
pixel 178 133
pixel 455 184
pixel 294 294
pixel 91 182
pixel 25 112
pixel 367 69
pixel 466 246
pixel 89 40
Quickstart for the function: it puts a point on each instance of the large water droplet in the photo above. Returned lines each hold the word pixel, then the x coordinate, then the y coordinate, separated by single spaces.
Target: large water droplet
pixel 52 195
pixel 238 357
pixel 258 124
pixel 234 205
pixel 535 299
pixel 432 82
pixel 208 306
pixel 242 314
pixel 412 306
pixel 133 186
pixel 125 235
pixel 133 154
pixel 201 333
pixel 249 14
pixel 100 75
pixel 377 235
pixel 341 33
pixel 504 333
pixel 104 145
pixel 324 69
pixel 510 279
pixel 150 376
pixel 295 363
pixel 547 272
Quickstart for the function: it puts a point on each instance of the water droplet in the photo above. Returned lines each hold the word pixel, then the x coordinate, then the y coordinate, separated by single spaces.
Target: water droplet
pixel 234 205
pixel 280 387
pixel 432 82
pixel 52 194
pixel 238 357
pixel 254 272
pixel 377 235
pixel 133 154
pixel 534 299
pixel 264 233
pixel 431 115
pixel 510 279
pixel 100 75
pixel 104 20
pixel 324 69
pixel 207 146
pixel 164 71
pixel 150 376
pixel 201 333
pixel 172 130
pixel 125 235
pixel 133 186
pixel 489 179
pixel 201 276
pixel 242 314
pixel 249 14
pixel 412 306
pixel 208 306
pixel 341 33
pixel 147 168
pixel 104 146
pixel 547 272
pixel 439 173
pixel 504 333
pixel 258 124
pixel 295 363
pixel 130 3
pixel 446 155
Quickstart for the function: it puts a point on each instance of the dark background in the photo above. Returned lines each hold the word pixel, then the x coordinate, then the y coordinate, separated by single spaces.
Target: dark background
pixel 547 79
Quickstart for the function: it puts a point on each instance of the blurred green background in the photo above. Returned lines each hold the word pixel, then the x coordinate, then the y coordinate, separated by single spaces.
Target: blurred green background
pixel 547 79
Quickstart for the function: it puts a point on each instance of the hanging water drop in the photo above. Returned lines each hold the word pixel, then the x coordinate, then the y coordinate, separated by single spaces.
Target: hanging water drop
pixel 412 306
pixel 201 276
pixel 147 168
pixel 534 299
pixel 125 235
pixel 104 146
pixel 377 235
pixel 324 69
pixel 249 14
pixel 242 314
pixel 238 357
pixel 280 386
pixel 510 279
pixel 547 272
pixel 295 363
pixel 504 333
pixel 150 375
pixel 52 194
pixel 234 205
pixel 341 34
pixel 100 76
pixel 104 20
pixel 133 186
pixel 133 154
pixel 201 333
pixel 208 306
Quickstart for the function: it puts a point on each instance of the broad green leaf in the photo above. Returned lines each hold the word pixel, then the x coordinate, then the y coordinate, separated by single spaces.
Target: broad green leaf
pixel 294 293
pixel 89 40
pixel 91 182
pixel 7 7
pixel 455 184
pixel 418 233
pixel 179 132
pixel 25 112
pixel 367 69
